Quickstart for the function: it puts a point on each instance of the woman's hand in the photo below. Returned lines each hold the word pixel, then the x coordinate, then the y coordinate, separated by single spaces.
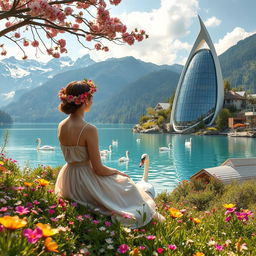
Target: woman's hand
pixel 122 173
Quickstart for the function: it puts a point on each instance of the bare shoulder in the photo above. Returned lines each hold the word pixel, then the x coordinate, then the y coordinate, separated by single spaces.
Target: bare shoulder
pixel 91 128
pixel 62 123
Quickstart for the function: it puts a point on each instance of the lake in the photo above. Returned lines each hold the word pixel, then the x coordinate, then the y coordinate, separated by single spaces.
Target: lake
pixel 166 168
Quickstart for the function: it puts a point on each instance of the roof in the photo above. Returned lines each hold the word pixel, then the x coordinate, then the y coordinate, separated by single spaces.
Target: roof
pixel 231 169
pixel 242 93
pixel 230 95
pixel 163 105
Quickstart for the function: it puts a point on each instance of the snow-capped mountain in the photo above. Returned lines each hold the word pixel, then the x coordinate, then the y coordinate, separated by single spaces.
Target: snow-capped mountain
pixel 19 76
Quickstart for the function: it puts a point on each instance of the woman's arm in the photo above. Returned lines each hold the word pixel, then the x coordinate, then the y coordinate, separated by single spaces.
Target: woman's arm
pixel 94 154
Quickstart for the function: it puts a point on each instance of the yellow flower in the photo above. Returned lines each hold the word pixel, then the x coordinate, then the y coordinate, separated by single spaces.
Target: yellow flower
pixel 28 184
pixel 13 222
pixel 47 230
pixel 195 220
pixel 198 254
pixel 175 213
pixel 1 163
pixel 50 245
pixel 227 206
pixel 43 182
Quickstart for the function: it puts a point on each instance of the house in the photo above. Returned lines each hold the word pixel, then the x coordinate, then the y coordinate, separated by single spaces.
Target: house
pixel 162 106
pixel 233 169
pixel 235 100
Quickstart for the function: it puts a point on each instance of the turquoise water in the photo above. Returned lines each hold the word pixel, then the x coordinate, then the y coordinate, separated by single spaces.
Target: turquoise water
pixel 166 169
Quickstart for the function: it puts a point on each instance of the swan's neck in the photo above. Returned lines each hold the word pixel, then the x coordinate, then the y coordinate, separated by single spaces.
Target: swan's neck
pixel 146 167
pixel 39 144
pixel 126 154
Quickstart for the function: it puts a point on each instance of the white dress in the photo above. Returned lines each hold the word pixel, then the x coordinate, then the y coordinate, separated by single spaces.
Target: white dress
pixel 116 195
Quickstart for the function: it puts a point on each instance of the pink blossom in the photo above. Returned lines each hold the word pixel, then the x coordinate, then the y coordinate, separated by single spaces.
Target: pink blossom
pixel 142 247
pixel 33 235
pixel 35 43
pixel 123 248
pixel 230 210
pixel 97 46
pixel 95 222
pixel 150 237
pixel 68 11
pixel 36 202
pixel 17 35
pixel 88 216
pixel 62 43
pixel 127 216
pixel 172 247
pixel 80 218
pixel 1 228
pixel 56 55
pixel 21 210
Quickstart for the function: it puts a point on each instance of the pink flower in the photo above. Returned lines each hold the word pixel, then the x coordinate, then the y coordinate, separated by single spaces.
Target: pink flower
pixel 21 210
pixel 36 202
pixel 108 224
pixel 172 247
pixel 51 211
pixel 33 235
pixel 123 248
pixel 80 218
pixel 88 216
pixel 127 216
pixel 228 219
pixel 142 248
pixel 68 10
pixel 230 210
pixel 160 250
pixel 150 237
pixel 3 209
pixel 218 247
pixel 1 228
pixel 95 222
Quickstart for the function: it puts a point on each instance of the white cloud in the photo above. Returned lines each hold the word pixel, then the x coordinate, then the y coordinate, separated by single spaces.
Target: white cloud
pixel 231 39
pixel 164 26
pixel 8 95
pixel 212 22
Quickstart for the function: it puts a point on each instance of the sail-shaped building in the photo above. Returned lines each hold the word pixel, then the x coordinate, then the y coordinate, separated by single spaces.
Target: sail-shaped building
pixel 200 92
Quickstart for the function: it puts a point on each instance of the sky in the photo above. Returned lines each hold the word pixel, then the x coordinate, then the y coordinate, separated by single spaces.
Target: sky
pixel 172 26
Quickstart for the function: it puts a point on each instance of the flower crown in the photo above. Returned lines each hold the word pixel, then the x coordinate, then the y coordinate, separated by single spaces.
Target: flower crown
pixel 80 98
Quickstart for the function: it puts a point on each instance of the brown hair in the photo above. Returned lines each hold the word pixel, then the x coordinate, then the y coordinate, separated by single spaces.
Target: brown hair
pixel 74 88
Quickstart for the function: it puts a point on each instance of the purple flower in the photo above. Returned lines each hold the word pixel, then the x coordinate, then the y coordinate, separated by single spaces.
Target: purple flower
pixel 21 210
pixel 123 248
pixel 108 224
pixel 33 235
pixel 51 211
pixel 230 210
pixel 172 247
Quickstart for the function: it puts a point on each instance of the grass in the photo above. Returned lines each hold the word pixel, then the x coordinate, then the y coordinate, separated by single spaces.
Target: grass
pixel 201 219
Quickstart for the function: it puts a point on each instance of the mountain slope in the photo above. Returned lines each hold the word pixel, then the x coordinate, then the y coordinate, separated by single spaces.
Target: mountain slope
pixel 238 64
pixel 129 104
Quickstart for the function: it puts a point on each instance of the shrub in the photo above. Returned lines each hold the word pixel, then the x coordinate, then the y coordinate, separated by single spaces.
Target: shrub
pixel 148 124
pixel 144 119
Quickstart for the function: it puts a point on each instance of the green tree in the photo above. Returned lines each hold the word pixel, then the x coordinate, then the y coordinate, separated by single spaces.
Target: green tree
pixel 226 86
pixel 222 119
pixel 151 111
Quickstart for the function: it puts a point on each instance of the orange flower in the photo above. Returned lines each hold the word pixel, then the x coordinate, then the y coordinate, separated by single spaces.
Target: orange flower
pixel 195 220
pixel 228 206
pixel 28 184
pixel 50 245
pixel 47 230
pixel 42 182
pixel 135 252
pixel 175 213
pixel 13 222
pixel 198 254
pixel 2 168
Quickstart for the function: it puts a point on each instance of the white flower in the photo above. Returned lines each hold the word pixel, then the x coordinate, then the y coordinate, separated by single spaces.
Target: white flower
pixel 102 228
pixel 112 233
pixel 102 250
pixel 109 240
pixel 211 243
pixel 18 203
pixel 110 247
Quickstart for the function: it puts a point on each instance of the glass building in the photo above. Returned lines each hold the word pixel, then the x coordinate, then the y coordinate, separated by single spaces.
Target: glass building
pixel 200 93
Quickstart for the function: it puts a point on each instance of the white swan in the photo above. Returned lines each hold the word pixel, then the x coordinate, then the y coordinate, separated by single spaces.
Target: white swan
pixel 124 158
pixel 46 147
pixel 188 143
pixel 115 142
pixel 105 151
pixel 144 184
pixel 165 148
pixel 138 140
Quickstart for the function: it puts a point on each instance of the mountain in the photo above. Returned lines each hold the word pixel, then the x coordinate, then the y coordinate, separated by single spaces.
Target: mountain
pixel 111 77
pixel 19 76
pixel 238 64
